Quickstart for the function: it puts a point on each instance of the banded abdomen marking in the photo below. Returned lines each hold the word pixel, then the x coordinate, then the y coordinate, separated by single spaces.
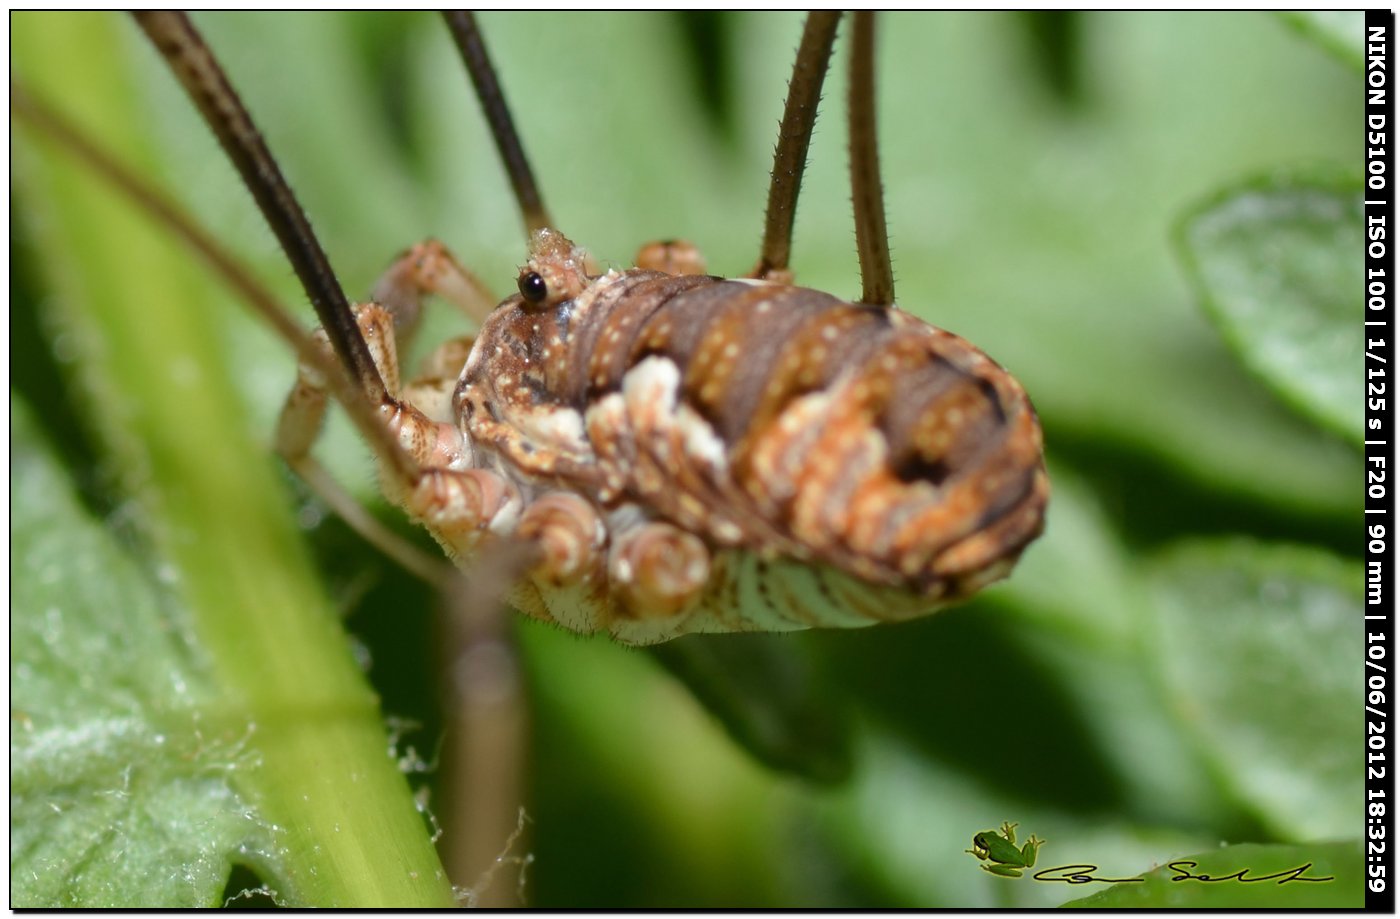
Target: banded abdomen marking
pixel 785 421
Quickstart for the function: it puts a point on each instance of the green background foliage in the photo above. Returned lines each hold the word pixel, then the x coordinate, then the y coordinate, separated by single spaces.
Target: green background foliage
pixel 1148 218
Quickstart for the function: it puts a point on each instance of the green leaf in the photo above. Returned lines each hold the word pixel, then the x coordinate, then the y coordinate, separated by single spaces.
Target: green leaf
pixel 1275 261
pixel 1080 602
pixel 1171 887
pixel 768 694
pixel 1257 649
pixel 908 819
pixel 121 782
pixel 637 772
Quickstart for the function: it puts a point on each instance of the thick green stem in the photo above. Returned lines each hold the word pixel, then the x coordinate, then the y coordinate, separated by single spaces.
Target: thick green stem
pixel 154 372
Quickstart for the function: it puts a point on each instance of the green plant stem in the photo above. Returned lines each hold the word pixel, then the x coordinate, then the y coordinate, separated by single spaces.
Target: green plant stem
pixel 139 315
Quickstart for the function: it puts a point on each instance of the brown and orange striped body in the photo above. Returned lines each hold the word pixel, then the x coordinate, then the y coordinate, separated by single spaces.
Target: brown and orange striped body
pixel 841 463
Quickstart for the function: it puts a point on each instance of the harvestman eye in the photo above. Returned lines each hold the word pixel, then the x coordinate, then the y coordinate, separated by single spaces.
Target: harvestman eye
pixel 533 288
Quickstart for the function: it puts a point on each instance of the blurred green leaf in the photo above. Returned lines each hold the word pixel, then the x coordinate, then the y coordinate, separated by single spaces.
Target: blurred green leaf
pixel 1257 649
pixel 1275 262
pixel 121 788
pixel 908 819
pixel 1078 604
pixel 1055 41
pixel 1175 888
pixel 1341 32
pixel 626 745
pixel 770 697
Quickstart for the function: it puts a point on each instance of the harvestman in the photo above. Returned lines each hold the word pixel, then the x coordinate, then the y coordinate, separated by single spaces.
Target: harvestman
pixel 659 451
pixel 676 452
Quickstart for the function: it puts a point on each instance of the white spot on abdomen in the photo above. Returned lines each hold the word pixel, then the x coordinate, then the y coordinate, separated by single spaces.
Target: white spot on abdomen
pixel 651 392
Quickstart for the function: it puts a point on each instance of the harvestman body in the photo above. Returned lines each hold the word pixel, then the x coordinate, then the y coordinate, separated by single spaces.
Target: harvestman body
pixel 679 452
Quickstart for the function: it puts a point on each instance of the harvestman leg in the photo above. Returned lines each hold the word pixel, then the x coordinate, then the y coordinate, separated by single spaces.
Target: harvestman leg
pixel 465 33
pixel 794 137
pixel 872 240
pixel 427 268
pixel 790 157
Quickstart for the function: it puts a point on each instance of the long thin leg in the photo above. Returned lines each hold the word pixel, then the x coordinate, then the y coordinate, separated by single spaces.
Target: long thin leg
pixel 418 563
pixel 433 490
pixel 297 427
pixel 313 357
pixel 794 136
pixel 152 201
pixel 190 59
pixel 486 736
pixel 493 102
pixel 415 476
pixel 424 269
pixel 872 241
